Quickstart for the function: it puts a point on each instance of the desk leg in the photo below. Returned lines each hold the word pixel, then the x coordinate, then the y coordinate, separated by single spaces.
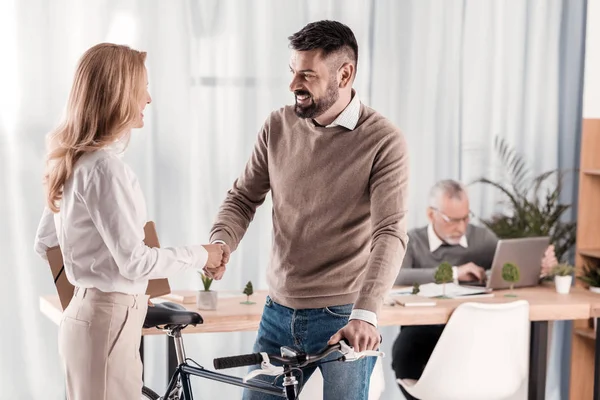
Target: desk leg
pixel 171 358
pixel 142 355
pixel 537 360
pixel 597 363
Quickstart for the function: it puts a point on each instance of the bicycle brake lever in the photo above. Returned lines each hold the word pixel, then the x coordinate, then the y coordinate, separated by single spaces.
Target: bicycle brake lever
pixel 266 368
pixel 351 355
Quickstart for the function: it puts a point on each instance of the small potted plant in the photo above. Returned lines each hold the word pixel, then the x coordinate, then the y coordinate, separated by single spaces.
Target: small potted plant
pixel 512 275
pixel 591 276
pixel 248 291
pixel 563 277
pixel 416 288
pixel 206 299
pixel 443 275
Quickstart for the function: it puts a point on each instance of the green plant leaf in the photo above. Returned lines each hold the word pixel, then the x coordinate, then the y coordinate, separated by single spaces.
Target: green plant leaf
pixel 443 274
pixel 533 207
pixel 206 281
pixel 511 273
pixel 590 274
pixel 562 269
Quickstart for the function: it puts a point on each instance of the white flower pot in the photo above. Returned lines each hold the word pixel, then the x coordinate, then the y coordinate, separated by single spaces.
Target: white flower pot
pixel 563 284
pixel 206 300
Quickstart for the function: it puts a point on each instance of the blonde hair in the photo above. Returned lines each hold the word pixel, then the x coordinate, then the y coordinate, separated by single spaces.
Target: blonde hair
pixel 102 107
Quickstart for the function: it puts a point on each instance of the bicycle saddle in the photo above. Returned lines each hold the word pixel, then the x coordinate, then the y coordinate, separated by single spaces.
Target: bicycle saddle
pixel 170 314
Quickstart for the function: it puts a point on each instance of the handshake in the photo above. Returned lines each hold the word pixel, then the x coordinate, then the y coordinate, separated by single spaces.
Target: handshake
pixel 218 257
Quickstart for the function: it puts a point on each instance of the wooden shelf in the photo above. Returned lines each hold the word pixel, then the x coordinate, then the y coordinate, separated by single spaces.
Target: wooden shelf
pixel 586 333
pixel 595 253
pixel 583 345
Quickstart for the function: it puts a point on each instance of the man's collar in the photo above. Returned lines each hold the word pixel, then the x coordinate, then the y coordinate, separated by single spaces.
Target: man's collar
pixel 435 242
pixel 349 117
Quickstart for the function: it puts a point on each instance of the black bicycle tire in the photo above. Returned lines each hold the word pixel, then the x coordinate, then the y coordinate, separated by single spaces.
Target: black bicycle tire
pixel 149 393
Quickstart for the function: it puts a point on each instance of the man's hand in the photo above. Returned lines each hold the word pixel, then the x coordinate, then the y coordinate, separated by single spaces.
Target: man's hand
pixel 360 334
pixel 549 261
pixel 471 272
pixel 219 272
pixel 214 268
pixel 226 254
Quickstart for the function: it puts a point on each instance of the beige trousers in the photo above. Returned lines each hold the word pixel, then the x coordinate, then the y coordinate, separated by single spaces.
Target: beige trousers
pixel 99 341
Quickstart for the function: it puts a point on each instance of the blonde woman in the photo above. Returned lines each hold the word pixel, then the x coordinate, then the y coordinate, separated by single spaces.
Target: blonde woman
pixel 96 212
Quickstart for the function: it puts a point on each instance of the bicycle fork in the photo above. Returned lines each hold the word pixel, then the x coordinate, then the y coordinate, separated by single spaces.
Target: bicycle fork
pixel 290 385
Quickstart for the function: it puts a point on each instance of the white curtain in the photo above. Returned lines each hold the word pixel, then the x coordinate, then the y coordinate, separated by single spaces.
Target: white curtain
pixel 450 73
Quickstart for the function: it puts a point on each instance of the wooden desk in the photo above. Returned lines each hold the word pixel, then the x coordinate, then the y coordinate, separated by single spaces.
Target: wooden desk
pixel 231 316
pixel 545 305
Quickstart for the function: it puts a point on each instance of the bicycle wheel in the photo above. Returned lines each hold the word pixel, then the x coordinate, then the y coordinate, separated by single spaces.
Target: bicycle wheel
pixel 148 393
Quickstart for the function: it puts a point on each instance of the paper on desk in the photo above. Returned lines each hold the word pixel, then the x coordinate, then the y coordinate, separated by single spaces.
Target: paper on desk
pixel 415 301
pixel 437 290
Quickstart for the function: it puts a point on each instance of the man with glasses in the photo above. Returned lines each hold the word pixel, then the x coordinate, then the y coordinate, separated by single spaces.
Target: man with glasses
pixel 449 237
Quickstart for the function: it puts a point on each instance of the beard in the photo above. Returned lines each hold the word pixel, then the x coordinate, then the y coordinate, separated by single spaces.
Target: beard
pixel 453 241
pixel 316 107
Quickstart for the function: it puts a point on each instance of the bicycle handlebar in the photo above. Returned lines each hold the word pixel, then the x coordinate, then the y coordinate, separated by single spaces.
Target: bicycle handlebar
pixel 237 361
pixel 297 361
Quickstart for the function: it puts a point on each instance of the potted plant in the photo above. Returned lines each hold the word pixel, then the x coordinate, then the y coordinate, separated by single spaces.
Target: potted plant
pixel 416 288
pixel 248 291
pixel 206 299
pixel 591 276
pixel 443 275
pixel 512 275
pixel 563 277
pixel 533 203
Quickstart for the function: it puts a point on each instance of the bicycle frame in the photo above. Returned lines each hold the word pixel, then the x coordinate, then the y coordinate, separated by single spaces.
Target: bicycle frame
pixel 184 371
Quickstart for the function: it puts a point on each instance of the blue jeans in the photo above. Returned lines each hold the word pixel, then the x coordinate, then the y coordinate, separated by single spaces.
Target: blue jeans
pixel 309 331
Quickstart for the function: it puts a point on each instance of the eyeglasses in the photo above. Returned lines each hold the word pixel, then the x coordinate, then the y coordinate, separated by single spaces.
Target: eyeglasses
pixel 453 221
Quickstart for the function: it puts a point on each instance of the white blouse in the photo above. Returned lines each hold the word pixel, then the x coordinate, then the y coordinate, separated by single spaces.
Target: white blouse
pixel 100 229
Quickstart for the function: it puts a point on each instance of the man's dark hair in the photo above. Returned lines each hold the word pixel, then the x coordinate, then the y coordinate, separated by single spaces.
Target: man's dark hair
pixel 329 36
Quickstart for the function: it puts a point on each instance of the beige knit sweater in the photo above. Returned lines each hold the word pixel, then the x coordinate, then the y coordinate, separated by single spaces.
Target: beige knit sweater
pixel 339 208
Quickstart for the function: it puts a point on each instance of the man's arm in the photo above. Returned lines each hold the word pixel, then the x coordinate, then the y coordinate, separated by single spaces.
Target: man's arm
pixel 388 189
pixel 409 275
pixel 246 195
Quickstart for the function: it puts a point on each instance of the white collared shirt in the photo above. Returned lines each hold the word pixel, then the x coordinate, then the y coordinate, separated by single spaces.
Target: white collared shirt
pixel 100 229
pixel 349 117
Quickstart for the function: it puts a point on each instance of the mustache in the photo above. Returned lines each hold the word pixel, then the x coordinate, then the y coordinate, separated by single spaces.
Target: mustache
pixel 302 93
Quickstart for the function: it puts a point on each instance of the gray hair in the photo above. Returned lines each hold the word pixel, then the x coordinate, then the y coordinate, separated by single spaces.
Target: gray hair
pixel 448 187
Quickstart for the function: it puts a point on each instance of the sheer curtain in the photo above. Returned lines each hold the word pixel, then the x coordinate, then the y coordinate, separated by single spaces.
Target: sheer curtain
pixel 451 74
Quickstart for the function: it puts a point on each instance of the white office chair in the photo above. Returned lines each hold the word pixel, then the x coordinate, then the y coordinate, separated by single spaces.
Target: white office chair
pixel 483 353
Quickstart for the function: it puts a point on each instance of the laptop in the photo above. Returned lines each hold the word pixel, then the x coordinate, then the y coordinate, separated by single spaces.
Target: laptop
pixel 526 253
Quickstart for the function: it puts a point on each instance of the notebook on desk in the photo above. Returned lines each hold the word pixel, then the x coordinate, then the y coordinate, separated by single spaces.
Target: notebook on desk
pixel 452 290
pixel 156 287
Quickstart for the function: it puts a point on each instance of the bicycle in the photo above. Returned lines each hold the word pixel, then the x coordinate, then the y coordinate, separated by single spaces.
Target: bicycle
pixel 173 318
